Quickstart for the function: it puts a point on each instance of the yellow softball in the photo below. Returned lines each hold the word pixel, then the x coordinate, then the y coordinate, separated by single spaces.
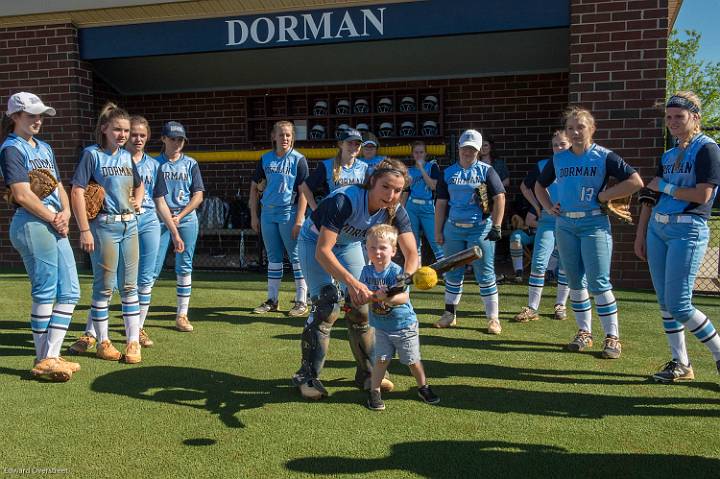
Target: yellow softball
pixel 425 278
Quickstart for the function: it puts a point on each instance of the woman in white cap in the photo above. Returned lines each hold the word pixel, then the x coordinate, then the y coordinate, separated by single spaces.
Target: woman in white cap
pixel 38 231
pixel 462 220
pixel 185 190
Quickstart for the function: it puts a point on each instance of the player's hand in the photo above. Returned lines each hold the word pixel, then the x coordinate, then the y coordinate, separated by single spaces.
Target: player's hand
pixel 555 211
pixel 296 230
pixel 176 220
pixel 602 197
pixel 87 242
pixel 61 223
pixel 381 294
pixel 640 247
pixel 179 244
pixel 439 238
pixel 359 293
pixel 494 234
pixel 420 164
pixel 255 224
pixel 654 184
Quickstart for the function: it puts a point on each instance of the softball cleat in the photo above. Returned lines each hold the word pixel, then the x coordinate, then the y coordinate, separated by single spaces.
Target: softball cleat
pixel 145 340
pixel 583 339
pixel 526 314
pixel 611 348
pixel 299 309
pixel 51 369
pixel 82 345
pixel 447 320
pixel 494 326
pixel 182 324
pixel 132 353
pixel 106 351
pixel 672 371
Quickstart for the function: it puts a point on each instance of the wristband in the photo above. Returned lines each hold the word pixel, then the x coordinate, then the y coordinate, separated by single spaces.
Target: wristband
pixel 667 188
pixel 85 231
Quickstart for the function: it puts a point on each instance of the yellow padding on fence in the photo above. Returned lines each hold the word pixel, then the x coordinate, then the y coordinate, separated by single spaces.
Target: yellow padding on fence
pixel 310 153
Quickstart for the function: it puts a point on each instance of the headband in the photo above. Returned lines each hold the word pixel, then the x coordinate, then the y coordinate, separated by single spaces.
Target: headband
pixel 681 102
pixel 380 171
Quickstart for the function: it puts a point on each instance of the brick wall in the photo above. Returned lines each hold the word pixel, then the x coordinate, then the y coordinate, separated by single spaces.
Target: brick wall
pixel 45 60
pixel 617 69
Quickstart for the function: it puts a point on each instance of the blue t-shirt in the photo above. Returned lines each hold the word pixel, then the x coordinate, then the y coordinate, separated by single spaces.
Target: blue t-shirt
pixel 284 175
pixel 701 164
pixel 372 163
pixel 155 186
pixel 182 179
pixel 114 172
pixel 457 186
pixel 418 188
pixel 345 212
pixel 532 177
pixel 581 178
pixel 383 316
pixel 349 175
pixel 18 158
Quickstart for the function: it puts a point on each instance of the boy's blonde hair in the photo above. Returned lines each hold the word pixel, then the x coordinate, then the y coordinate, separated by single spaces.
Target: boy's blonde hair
pixel 383 231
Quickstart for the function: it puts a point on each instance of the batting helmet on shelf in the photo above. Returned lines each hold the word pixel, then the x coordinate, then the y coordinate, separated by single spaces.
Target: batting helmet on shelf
pixel 430 103
pixel 386 129
pixel 320 108
pixel 362 128
pixel 407 104
pixel 407 128
pixel 341 129
pixel 317 132
pixel 361 106
pixel 429 128
pixel 342 107
pixel 384 105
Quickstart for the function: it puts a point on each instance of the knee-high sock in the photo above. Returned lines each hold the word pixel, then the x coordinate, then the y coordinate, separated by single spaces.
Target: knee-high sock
pixel 59 323
pixel 183 290
pixel 40 315
pixel 703 329
pixel 563 291
pixel 516 253
pixel 608 313
pixel 131 317
pixel 536 283
pixel 675 334
pixel 453 292
pixel 300 284
pixel 274 275
pixel 489 293
pixel 99 312
pixel 144 296
pixel 582 308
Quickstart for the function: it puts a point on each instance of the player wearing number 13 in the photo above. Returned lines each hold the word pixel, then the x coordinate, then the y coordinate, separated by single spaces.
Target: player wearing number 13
pixel 582 230
pixel 185 193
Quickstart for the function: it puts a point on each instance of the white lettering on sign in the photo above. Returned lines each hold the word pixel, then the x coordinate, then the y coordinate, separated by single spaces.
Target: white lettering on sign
pixel 306 26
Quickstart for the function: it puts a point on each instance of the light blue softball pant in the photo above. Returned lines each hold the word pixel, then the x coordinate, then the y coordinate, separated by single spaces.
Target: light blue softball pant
pixel 188 229
pixel 585 248
pixel 422 218
pixel 115 241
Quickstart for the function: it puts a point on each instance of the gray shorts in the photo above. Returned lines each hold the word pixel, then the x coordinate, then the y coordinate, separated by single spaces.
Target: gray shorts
pixel 405 341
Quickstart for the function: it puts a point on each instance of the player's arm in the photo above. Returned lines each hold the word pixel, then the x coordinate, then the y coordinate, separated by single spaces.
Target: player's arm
pixel 16 177
pixel 82 176
pixel 630 181
pixel 300 216
pixel 394 300
pixel 429 180
pixel 496 189
pixel 253 205
pixel 359 293
pixel 531 220
pixel 166 217
pixel 545 179
pixel 195 200
pixel 440 215
pixel 640 245
pixel 306 193
pixel 530 197
pixel 408 246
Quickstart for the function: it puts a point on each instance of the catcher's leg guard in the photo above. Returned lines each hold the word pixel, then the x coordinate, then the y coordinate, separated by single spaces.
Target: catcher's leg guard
pixel 315 341
pixel 362 344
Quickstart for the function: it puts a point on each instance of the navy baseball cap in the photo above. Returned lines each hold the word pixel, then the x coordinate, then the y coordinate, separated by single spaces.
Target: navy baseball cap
pixel 351 134
pixel 174 129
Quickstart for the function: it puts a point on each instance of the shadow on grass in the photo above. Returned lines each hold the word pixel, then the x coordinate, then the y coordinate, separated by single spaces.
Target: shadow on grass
pixel 452 459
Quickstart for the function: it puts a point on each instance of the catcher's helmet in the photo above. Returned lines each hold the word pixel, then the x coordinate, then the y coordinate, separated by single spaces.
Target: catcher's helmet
pixel 320 108
pixel 361 106
pixel 342 107
pixel 430 103
pixel 429 128
pixel 384 105
pixel 317 132
pixel 386 129
pixel 407 128
pixel 407 104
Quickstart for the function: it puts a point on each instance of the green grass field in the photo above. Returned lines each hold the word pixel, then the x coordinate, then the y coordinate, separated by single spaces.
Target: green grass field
pixel 218 403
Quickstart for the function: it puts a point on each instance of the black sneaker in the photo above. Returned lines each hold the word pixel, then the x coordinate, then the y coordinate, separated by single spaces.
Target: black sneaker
pixel 673 371
pixel 375 401
pixel 427 395
pixel 717 364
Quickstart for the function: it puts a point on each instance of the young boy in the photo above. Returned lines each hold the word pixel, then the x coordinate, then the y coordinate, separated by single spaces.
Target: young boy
pixel 393 317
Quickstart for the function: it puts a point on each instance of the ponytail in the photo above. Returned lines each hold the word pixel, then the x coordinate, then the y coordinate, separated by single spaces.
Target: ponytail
pixel 109 113
pixel 7 126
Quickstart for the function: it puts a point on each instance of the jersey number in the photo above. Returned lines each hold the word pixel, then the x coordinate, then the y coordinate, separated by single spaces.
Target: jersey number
pixel 181 196
pixel 587 193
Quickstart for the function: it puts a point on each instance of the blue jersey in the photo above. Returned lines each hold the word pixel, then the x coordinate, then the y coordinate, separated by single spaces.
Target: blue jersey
pixel 324 175
pixel 383 316
pixel 116 173
pixel 345 211
pixel 581 178
pixel 182 179
pixel 155 186
pixel 18 158
pixel 700 164
pixel 457 186
pixel 532 177
pixel 372 163
pixel 284 175
pixel 418 188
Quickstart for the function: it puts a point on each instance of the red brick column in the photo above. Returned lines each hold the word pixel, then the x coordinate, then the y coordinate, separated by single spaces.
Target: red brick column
pixel 617 70
pixel 45 60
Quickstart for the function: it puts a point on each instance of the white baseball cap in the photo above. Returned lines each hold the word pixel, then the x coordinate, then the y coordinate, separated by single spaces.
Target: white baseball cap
pixel 24 101
pixel 471 138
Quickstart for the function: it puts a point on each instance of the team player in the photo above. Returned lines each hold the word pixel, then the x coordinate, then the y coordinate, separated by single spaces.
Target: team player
pixel 674 235
pixel 461 222
pixel 283 211
pixel 342 170
pixel 393 317
pixel 330 253
pixel 419 201
pixel 38 231
pixel 370 155
pixel 543 243
pixel 185 190
pixel 112 235
pixel 153 205
pixel 582 229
